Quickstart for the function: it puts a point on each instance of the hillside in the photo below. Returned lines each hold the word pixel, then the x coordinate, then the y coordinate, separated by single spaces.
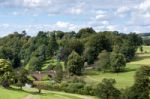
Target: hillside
pixel 124 79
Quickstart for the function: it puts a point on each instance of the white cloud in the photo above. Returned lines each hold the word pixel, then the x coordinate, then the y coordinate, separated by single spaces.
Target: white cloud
pixel 100 14
pixel 5 25
pixel 76 10
pixel 105 22
pixel 62 24
pixel 111 28
pixel 31 3
pixel 122 10
pixel 66 25
pixel 145 5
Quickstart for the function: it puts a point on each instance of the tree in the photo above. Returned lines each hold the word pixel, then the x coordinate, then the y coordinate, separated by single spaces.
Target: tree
pixel 52 45
pixel 85 32
pixel 106 90
pixel 68 46
pixel 104 61
pixel 22 77
pixel 39 85
pixel 89 55
pixel 59 34
pixel 16 62
pixel 5 73
pixel 96 44
pixel 141 88
pixel 35 64
pixel 75 64
pixel 117 62
pixel 59 72
pixel 5 66
pixel 141 49
pixel 7 78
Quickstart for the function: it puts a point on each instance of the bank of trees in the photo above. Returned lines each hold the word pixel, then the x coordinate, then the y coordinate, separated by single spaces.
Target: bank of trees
pixel 21 49
pixel 110 48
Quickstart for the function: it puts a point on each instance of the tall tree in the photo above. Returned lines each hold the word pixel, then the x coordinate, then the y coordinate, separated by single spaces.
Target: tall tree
pixel 117 62
pixel 75 64
pixel 104 61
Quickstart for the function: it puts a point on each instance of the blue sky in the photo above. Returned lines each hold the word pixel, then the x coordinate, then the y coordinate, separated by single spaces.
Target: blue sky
pixel 71 15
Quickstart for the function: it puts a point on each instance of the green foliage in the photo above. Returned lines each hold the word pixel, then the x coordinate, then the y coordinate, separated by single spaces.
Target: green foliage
pixel 39 85
pixel 52 45
pixel 141 88
pixel 7 78
pixel 106 90
pixel 5 66
pixel 21 76
pixel 95 45
pixel 117 62
pixel 85 32
pixel 6 74
pixel 75 64
pixel 35 64
pixel 59 34
pixel 104 61
pixel 59 72
pixel 89 54
pixel 69 46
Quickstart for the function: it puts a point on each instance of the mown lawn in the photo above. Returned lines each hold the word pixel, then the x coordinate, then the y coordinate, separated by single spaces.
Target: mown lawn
pixel 31 93
pixel 146 49
pixel 124 79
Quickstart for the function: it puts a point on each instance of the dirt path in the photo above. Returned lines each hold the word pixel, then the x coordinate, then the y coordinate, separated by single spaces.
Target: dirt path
pixel 28 97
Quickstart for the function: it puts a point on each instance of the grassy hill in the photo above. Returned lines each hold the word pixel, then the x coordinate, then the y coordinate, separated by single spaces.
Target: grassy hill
pixel 124 79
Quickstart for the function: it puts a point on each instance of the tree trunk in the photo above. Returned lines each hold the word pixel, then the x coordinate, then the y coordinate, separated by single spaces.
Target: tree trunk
pixel 40 90
pixel 20 87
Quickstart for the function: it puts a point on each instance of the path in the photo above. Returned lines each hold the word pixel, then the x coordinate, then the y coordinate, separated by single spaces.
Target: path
pixel 28 97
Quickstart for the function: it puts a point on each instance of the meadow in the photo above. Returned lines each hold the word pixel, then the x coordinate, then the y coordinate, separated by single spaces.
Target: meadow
pixel 126 78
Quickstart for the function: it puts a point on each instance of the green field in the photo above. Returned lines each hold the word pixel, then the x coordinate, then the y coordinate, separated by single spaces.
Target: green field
pixel 32 94
pixel 124 79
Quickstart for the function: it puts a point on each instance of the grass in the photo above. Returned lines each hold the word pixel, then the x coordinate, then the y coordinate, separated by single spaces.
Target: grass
pixel 145 49
pixel 11 94
pixel 31 93
pixel 124 79
pixel 142 59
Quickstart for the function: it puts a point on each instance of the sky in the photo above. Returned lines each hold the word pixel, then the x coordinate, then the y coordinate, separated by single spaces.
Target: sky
pixel 71 15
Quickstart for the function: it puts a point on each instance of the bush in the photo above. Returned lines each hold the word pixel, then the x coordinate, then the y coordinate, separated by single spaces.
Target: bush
pixel 106 90
pixel 73 85
pixel 46 77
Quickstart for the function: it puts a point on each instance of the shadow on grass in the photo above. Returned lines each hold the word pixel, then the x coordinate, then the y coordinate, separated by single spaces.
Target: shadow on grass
pixel 139 58
pixel 93 72
pixel 29 92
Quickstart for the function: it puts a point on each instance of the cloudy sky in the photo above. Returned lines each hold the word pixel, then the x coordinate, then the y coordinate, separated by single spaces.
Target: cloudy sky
pixel 67 15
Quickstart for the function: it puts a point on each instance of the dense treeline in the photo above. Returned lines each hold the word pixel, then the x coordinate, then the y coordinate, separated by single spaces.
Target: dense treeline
pixel 22 49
